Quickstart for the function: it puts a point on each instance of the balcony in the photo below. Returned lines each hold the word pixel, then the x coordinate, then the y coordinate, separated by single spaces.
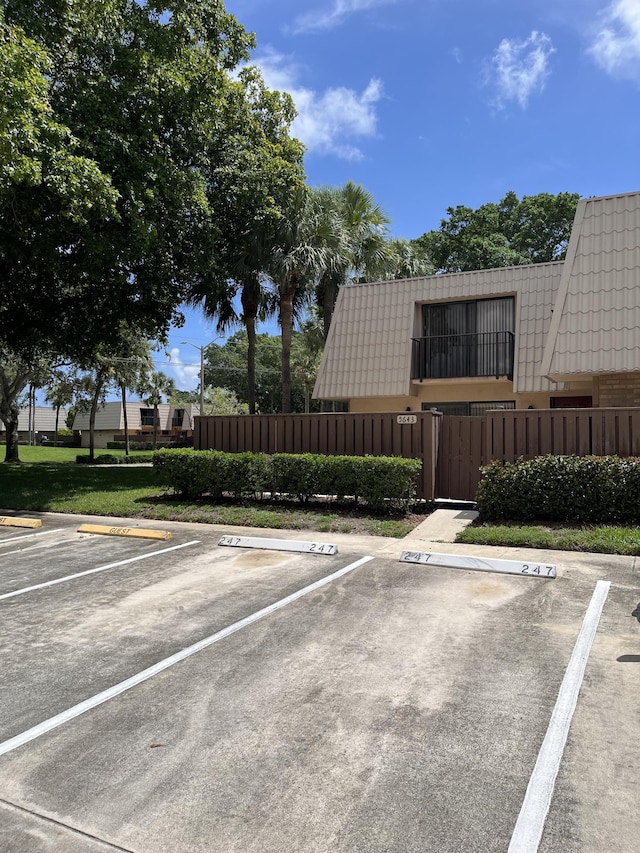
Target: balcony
pixel 463 355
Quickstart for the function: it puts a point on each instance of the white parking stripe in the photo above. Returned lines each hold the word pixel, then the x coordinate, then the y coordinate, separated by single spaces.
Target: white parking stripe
pixel 145 674
pixel 95 571
pixel 533 814
pixel 13 539
pixel 45 546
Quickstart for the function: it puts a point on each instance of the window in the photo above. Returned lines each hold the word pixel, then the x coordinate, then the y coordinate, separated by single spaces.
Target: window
pixel 466 409
pixel 465 339
pixel 146 417
pixel 178 418
pixel 572 402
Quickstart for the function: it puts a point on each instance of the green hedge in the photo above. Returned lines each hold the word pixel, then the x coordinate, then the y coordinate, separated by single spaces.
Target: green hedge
pixel 590 489
pixel 113 459
pixel 379 481
pixel 148 445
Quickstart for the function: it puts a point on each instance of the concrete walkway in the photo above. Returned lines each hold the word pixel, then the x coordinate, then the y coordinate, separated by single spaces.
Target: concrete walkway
pixel 443 525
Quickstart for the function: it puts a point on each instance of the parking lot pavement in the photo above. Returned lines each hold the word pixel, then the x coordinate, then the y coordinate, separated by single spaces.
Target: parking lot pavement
pixel 395 708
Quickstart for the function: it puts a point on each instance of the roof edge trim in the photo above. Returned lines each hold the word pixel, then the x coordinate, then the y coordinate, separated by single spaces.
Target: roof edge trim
pixel 563 289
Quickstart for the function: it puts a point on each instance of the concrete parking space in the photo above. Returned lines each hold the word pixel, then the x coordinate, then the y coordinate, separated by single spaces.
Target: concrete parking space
pixel 27 565
pixel 398 707
pixel 92 630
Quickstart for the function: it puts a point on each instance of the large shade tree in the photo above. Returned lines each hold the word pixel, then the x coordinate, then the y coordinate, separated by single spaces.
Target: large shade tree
pixel 51 198
pixel 114 115
pixel 535 229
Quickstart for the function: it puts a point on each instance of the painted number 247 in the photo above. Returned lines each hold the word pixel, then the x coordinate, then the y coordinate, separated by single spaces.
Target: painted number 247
pixel 535 569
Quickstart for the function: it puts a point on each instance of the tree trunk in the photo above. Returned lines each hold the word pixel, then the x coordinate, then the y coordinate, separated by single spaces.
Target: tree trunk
pixel 250 299
pixel 250 324
pixel 155 425
pixel 126 419
pixel 92 418
pixel 55 435
pixel 329 296
pixel 33 407
pixel 31 416
pixel 10 416
pixel 286 325
pixel 10 390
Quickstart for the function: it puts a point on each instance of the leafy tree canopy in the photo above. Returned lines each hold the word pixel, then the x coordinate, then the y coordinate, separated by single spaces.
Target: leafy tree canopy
pixel 535 229
pixel 226 368
pixel 127 138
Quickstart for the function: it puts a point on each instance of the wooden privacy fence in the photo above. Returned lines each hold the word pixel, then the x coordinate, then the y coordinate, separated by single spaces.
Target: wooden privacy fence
pixel 452 449
pixel 380 434
pixel 466 444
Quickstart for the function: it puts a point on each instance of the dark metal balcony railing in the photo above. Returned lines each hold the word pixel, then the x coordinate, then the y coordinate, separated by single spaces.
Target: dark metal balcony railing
pixel 471 354
pixel 147 420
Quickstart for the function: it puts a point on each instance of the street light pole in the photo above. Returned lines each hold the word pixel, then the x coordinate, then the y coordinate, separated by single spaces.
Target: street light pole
pixel 202 380
pixel 202 349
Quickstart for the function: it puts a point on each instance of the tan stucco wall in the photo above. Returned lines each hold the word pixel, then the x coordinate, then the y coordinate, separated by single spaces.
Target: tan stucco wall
pixel 452 391
pixel 383 404
pixel 478 391
pixel 463 390
pixel 100 438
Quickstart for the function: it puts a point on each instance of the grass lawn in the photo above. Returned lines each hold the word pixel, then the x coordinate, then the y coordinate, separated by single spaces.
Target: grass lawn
pixel 598 539
pixel 49 480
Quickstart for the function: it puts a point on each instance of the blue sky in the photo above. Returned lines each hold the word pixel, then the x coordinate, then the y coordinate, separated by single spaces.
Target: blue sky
pixel 434 103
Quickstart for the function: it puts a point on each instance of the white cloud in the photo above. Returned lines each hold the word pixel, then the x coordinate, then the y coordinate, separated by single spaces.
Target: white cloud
pixel 616 44
pixel 520 68
pixel 326 19
pixel 187 375
pixel 328 122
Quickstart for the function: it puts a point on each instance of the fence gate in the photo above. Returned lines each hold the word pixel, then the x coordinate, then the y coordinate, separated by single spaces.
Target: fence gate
pixel 461 452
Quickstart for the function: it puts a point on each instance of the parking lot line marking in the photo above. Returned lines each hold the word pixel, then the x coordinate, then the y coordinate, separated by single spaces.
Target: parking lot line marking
pixel 533 814
pixel 139 532
pixel 146 674
pixel 56 581
pixel 14 521
pixel 11 539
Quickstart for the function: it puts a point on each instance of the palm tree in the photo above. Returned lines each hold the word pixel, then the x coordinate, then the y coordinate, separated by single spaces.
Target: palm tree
pixel 219 304
pixel 263 166
pixel 153 388
pixel 60 392
pixel 301 252
pixel 407 260
pixel 128 373
pixel 361 247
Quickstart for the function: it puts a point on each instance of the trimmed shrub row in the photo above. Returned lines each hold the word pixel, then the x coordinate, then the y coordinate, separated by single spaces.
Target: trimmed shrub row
pixel 113 459
pixel 561 488
pixel 380 481
pixel 148 445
